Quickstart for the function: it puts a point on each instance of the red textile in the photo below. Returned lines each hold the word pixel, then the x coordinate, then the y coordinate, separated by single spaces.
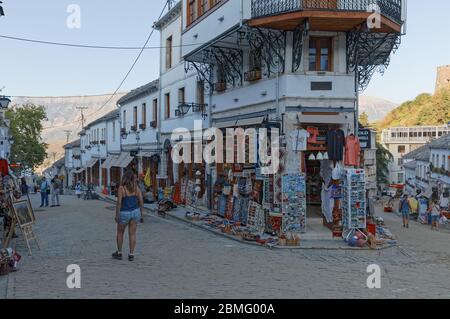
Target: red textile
pixel 352 151
pixel 4 167
pixel 313 134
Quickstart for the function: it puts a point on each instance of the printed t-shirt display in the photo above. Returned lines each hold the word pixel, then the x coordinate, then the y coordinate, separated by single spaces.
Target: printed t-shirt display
pixel 299 140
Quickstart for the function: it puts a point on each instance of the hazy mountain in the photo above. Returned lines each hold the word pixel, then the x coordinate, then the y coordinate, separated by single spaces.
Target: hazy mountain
pixel 63 115
pixel 375 108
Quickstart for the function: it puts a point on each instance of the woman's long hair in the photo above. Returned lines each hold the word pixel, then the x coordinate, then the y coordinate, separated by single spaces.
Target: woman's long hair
pixel 129 181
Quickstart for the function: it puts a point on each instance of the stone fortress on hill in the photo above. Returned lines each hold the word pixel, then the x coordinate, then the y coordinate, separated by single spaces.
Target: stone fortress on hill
pixel 443 77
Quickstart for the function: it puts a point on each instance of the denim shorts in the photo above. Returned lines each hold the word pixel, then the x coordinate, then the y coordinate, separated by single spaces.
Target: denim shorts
pixel 405 214
pixel 126 217
pixel 435 218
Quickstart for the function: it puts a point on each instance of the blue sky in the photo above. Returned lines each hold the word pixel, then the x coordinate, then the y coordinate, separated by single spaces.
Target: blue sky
pixel 37 70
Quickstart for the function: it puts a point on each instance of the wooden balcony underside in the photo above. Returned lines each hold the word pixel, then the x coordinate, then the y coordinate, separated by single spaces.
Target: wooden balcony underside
pixel 323 21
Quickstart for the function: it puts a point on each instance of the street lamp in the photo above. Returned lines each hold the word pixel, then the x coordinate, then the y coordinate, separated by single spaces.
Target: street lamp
pixel 2 13
pixel 4 101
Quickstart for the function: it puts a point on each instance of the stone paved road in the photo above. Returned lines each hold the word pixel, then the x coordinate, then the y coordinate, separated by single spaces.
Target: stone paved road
pixel 178 261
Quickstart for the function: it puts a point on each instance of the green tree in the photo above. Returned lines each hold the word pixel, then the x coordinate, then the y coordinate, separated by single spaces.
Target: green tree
pixel 384 158
pixel 364 119
pixel 26 127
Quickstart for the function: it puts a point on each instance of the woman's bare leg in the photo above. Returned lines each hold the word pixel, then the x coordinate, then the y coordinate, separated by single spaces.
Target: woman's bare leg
pixel 120 232
pixel 132 236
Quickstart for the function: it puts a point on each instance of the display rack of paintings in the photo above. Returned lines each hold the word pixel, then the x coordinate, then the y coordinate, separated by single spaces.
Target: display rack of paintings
pixel 256 217
pixel 190 193
pixel 353 200
pixel 183 187
pixel 294 203
pixel 222 207
pixel 229 208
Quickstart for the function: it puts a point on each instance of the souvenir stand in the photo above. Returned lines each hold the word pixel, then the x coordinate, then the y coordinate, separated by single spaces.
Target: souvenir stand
pixel 294 203
pixel 354 217
pixel 16 212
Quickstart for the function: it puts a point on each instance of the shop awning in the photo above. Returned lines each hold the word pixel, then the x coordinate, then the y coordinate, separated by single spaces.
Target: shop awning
pixel 78 171
pixel 92 162
pixel 109 161
pixel 123 161
pixel 148 154
pixel 225 124
pixel 250 122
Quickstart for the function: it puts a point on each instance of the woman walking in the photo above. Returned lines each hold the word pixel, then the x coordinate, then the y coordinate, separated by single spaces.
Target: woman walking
pixel 405 209
pixel 129 211
pixel 435 212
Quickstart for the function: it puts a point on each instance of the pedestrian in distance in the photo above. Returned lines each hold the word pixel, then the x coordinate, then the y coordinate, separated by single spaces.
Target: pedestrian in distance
pixel 435 212
pixel 45 191
pixel 56 191
pixel 78 190
pixel 405 210
pixel 129 211
pixel 24 189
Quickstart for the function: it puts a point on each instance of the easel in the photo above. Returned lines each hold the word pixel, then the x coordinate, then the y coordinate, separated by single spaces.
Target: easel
pixel 27 230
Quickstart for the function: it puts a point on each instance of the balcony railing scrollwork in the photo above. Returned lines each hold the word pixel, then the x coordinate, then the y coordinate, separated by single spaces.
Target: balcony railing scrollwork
pixel 389 8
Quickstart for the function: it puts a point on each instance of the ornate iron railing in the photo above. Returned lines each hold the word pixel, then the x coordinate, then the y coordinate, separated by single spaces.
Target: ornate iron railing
pixel 389 8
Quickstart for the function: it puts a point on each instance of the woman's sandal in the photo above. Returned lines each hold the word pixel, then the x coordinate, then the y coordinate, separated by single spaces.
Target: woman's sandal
pixel 117 255
pixel 130 257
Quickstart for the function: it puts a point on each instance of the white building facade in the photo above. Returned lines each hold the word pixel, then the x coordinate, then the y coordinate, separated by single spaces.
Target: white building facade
pixel 403 140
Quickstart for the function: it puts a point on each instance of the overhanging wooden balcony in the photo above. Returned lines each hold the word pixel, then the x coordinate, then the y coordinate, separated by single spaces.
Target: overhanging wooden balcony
pixel 326 15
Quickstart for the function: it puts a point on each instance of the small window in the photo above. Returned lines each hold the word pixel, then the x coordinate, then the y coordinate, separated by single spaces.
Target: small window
pixel 200 92
pixel 401 149
pixel 181 96
pixel 135 117
pixel 144 113
pixel 320 54
pixel 155 110
pixel 167 105
pixel 169 53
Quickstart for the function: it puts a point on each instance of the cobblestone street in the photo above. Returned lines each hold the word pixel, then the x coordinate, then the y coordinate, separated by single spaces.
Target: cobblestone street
pixel 175 260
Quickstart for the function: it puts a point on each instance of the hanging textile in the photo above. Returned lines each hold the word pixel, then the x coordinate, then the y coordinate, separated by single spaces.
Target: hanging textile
pixel 335 145
pixel 4 167
pixel 352 151
pixel 327 203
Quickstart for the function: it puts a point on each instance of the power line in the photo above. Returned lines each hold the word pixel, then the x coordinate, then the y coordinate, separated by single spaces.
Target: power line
pixel 133 65
pixel 87 46
pixel 57 96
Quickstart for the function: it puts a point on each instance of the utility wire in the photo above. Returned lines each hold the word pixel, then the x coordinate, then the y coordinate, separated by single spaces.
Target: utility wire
pixel 126 75
pixel 87 46
pixel 132 66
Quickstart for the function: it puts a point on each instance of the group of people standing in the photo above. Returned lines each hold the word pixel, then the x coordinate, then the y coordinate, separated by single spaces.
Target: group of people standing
pixel 51 188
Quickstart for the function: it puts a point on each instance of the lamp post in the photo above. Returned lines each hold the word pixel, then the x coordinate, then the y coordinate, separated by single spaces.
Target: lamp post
pixel 2 13
pixel 4 101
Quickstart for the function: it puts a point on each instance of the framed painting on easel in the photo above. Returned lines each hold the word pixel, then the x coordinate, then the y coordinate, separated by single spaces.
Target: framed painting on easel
pixel 23 213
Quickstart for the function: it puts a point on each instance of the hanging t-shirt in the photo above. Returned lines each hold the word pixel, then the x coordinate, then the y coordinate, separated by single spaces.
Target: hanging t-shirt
pixel 313 134
pixel 352 151
pixel 335 144
pixel 299 139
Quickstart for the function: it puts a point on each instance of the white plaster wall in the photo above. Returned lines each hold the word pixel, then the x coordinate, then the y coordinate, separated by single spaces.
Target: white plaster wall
pixel 215 24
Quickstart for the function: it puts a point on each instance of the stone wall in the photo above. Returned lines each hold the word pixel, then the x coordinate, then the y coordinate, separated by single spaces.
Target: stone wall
pixel 443 77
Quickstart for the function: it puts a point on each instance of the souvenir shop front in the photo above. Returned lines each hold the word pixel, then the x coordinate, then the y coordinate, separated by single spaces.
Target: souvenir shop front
pixel 190 178
pixel 330 159
pixel 150 164
pixel 318 177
